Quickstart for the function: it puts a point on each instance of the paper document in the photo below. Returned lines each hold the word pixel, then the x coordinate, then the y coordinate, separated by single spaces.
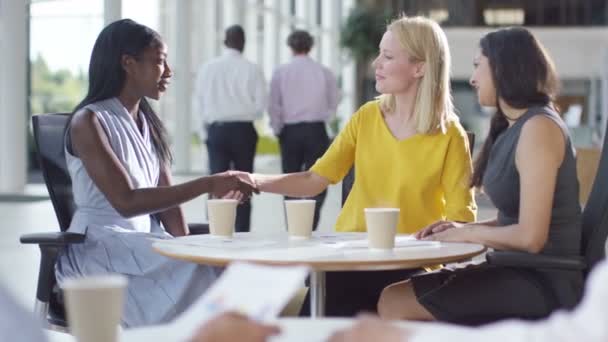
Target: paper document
pixel 401 241
pixel 259 292
pixel 209 241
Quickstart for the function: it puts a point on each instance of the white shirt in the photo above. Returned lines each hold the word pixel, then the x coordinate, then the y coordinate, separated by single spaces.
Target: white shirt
pixel 588 322
pixel 230 88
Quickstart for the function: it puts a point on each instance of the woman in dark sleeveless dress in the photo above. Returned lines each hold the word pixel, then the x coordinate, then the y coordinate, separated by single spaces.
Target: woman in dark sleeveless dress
pixel 527 167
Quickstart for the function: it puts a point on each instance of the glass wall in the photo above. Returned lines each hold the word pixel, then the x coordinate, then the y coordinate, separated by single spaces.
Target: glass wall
pixel 62 34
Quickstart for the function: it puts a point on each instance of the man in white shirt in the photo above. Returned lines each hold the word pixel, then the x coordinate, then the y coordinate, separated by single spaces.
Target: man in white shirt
pixel 231 93
pixel 587 322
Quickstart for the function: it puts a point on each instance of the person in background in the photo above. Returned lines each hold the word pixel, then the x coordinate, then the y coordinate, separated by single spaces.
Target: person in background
pixel 408 149
pixel 527 167
pixel 303 97
pixel 587 322
pixel 118 157
pixel 230 93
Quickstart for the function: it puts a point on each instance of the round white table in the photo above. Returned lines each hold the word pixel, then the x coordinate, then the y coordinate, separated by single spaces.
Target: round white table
pixel 323 252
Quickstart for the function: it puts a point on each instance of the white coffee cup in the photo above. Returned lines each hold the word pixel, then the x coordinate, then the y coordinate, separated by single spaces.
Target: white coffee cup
pixel 300 216
pixel 381 227
pixel 222 216
pixel 94 306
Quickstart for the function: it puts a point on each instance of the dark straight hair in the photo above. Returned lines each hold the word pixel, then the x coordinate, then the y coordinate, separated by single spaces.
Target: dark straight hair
pixel 107 76
pixel 524 76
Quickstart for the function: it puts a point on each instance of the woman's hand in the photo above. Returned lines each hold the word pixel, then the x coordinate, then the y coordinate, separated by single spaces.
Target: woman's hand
pixel 447 234
pixel 437 227
pixel 234 327
pixel 230 183
pixel 246 177
pixel 371 329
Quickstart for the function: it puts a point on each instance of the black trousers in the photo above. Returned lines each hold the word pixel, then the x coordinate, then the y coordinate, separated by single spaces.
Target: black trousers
pixel 352 292
pixel 301 145
pixel 231 146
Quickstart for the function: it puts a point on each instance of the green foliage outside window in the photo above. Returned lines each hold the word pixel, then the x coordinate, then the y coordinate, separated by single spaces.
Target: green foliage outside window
pixel 55 91
pixel 52 92
pixel 362 32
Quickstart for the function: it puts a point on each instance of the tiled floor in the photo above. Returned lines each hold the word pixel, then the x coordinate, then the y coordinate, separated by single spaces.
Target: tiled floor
pixel 19 263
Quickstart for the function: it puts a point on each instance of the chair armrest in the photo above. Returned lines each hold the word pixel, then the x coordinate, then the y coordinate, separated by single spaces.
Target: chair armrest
pixel 52 239
pixel 198 228
pixel 50 245
pixel 538 261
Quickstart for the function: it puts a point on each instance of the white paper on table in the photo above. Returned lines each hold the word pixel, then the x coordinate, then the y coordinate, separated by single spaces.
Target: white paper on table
pixel 401 241
pixel 259 292
pixel 209 241
pixel 297 253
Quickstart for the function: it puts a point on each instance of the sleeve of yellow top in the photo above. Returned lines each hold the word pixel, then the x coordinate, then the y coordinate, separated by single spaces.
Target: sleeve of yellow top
pixel 456 177
pixel 339 158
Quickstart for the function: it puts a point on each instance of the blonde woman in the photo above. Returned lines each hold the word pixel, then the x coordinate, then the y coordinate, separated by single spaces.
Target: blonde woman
pixel 408 148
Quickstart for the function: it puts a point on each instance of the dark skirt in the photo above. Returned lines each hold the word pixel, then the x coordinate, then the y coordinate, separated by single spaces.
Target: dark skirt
pixel 483 294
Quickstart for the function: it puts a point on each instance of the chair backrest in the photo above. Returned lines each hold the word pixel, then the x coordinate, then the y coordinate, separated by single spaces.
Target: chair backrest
pixel 49 135
pixel 347 182
pixel 595 214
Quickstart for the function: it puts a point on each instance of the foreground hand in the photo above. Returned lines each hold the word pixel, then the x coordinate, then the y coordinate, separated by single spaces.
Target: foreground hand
pixel 371 329
pixel 437 227
pixel 228 182
pixel 234 327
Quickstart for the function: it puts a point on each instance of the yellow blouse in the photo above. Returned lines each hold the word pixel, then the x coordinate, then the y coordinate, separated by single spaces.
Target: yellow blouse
pixel 426 175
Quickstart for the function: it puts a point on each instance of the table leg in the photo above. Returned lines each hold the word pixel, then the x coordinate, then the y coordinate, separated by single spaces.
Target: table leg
pixel 317 294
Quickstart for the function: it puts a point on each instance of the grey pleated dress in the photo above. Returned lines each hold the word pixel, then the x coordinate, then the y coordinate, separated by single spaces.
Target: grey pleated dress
pixel 159 288
pixel 483 294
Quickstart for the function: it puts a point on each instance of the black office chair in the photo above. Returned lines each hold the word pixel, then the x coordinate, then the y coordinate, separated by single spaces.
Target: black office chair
pixel 594 234
pixel 349 180
pixel 48 136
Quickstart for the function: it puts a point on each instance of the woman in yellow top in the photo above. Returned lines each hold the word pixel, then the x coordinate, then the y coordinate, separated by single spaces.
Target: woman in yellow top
pixel 408 147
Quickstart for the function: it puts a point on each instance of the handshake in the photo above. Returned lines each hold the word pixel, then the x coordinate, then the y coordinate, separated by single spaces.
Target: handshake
pixel 237 185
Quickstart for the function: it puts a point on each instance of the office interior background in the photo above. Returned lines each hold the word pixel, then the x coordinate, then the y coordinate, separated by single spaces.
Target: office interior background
pixel 46 44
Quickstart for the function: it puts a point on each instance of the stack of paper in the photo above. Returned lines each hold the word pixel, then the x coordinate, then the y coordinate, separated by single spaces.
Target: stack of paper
pixel 259 292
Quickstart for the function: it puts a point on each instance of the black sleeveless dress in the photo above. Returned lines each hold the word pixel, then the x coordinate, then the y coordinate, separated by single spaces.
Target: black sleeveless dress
pixel 488 293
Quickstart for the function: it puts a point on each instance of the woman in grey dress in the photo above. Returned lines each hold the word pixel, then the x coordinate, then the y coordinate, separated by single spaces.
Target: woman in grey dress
pixel 118 157
pixel 527 168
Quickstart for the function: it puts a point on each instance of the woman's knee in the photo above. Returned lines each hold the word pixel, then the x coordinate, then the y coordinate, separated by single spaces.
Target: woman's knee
pixel 398 301
pixel 392 300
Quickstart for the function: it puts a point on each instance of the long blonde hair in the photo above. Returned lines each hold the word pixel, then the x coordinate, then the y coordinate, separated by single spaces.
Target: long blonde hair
pixel 426 42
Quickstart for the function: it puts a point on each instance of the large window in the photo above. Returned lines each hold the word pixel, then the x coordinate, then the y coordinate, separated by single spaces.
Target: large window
pixel 62 34
pixel 146 13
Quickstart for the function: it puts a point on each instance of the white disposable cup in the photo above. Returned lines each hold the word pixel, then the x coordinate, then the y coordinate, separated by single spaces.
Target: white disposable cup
pixel 222 216
pixel 94 306
pixel 381 227
pixel 300 217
